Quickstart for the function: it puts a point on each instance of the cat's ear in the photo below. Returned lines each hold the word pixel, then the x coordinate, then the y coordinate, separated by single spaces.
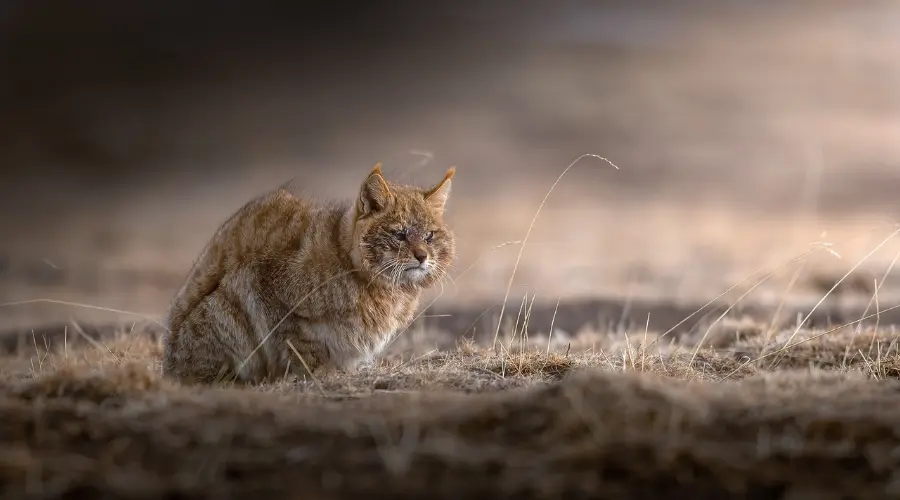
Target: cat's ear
pixel 437 196
pixel 374 195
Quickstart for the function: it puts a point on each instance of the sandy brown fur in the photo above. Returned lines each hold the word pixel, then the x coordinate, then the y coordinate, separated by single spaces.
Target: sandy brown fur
pixel 331 281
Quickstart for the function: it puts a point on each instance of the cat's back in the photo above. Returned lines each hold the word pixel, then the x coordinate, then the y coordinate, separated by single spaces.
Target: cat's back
pixel 263 225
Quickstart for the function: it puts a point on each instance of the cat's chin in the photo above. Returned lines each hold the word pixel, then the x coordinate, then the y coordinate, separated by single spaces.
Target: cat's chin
pixel 415 275
pixel 409 276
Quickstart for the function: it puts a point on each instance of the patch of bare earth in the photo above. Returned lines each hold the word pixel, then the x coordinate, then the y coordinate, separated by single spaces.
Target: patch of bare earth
pixel 811 415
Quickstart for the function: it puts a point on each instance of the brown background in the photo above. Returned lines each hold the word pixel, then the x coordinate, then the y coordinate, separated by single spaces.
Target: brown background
pixel 743 132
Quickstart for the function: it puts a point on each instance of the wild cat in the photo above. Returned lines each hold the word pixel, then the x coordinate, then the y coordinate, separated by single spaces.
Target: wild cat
pixel 289 285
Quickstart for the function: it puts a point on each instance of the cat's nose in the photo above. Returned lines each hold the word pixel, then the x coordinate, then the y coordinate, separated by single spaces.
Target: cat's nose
pixel 420 255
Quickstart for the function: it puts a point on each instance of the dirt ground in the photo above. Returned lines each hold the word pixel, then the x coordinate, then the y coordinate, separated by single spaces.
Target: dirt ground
pixel 813 416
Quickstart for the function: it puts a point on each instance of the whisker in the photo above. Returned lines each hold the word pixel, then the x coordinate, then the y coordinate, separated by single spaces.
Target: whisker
pixel 442 273
pixel 382 270
pixel 395 275
pixel 398 273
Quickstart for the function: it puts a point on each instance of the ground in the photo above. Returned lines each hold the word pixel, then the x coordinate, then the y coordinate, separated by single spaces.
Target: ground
pixel 795 413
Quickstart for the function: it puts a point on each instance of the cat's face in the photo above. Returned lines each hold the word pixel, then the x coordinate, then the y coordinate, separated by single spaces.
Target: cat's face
pixel 402 238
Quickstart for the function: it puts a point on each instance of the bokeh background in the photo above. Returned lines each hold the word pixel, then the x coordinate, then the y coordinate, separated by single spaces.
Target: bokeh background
pixel 745 133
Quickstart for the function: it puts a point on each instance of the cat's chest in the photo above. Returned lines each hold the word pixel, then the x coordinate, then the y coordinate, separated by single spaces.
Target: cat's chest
pixel 387 316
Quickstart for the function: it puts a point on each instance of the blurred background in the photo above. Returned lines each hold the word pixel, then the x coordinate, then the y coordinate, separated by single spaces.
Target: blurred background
pixel 746 134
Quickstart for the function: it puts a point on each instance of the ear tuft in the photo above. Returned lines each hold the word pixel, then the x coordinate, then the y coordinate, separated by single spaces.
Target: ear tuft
pixel 374 195
pixel 437 196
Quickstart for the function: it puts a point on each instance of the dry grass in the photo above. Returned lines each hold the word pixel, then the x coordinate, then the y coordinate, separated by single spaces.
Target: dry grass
pixel 600 416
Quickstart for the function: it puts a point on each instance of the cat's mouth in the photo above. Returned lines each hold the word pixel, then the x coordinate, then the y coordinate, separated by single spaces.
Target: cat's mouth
pixel 417 271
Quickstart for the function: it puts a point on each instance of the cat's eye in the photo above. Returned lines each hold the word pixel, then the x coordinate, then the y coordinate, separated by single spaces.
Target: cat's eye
pixel 400 234
pixel 429 236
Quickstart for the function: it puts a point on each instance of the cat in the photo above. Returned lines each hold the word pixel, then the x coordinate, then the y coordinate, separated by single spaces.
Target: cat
pixel 289 285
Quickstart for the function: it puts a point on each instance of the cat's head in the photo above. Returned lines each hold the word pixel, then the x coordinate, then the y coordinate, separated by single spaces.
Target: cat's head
pixel 399 231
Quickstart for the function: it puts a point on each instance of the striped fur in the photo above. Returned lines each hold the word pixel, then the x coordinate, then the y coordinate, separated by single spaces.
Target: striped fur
pixel 333 282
